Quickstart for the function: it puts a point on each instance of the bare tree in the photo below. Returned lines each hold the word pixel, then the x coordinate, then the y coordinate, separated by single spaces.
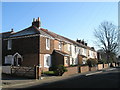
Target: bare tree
pixel 106 36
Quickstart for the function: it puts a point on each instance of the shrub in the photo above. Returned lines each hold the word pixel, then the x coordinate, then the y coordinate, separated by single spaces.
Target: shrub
pixel 73 65
pixel 92 62
pixel 49 73
pixel 60 69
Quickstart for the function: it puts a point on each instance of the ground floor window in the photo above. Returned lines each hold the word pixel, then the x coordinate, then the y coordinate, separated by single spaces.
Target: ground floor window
pixel 66 60
pixel 84 61
pixel 9 59
pixel 47 60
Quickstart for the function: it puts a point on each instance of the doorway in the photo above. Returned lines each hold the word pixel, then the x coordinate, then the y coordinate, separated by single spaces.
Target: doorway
pixel 17 59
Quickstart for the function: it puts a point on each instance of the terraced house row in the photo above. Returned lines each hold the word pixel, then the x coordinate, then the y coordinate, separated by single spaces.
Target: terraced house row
pixel 36 46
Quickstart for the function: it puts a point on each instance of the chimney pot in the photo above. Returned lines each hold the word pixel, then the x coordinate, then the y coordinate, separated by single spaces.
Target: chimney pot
pixel 38 18
pixel 33 19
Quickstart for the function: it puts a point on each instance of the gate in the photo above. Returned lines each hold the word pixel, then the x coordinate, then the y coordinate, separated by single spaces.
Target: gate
pixel 29 72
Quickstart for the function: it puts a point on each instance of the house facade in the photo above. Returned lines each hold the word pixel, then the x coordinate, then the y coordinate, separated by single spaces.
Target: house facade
pixel 36 46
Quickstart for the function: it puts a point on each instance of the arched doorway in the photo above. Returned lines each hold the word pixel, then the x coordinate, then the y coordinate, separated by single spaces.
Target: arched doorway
pixel 17 59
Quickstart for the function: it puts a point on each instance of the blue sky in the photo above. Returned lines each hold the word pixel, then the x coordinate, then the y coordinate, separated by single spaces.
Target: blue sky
pixel 70 19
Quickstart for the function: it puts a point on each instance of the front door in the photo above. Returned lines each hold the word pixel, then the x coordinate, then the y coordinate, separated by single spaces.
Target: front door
pixel 17 60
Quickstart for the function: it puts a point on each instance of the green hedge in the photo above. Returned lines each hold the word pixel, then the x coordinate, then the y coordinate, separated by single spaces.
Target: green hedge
pixel 92 62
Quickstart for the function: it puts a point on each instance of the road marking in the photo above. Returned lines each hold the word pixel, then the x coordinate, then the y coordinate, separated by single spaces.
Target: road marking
pixel 93 73
pixel 111 69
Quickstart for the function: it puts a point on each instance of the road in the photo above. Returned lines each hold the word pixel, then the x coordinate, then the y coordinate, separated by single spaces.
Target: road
pixel 105 79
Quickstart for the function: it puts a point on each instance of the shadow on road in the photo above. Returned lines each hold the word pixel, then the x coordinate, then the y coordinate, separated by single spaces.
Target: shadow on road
pixel 108 79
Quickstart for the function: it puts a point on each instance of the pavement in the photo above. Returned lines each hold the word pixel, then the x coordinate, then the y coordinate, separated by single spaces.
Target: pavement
pixel 18 82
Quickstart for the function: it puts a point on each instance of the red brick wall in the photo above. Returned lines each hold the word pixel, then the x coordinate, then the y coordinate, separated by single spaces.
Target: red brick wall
pixel 57 59
pixel 84 69
pixel 100 66
pixel 30 60
pixel 28 48
pixel 106 66
pixel 113 64
pixel 43 49
pixel 92 68
pixel 71 70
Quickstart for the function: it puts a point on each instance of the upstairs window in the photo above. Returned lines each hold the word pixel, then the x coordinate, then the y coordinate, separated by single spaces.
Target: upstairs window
pixel 9 44
pixel 47 43
pixel 69 47
pixel 75 49
pixel 60 46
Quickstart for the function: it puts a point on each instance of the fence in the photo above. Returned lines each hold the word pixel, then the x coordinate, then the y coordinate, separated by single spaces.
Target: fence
pixel 6 69
pixel 29 72
pixel 23 71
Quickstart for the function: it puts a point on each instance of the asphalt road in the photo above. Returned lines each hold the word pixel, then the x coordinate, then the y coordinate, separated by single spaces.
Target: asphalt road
pixel 106 79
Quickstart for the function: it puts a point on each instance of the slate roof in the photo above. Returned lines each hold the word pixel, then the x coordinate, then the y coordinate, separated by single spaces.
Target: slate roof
pixel 62 38
pixel 54 35
pixel 6 34
pixel 34 30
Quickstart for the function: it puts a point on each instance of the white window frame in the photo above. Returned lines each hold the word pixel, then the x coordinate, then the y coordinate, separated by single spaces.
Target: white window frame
pixel 69 47
pixel 9 44
pixel 9 59
pixel 66 60
pixel 60 46
pixel 75 49
pixel 47 57
pixel 47 43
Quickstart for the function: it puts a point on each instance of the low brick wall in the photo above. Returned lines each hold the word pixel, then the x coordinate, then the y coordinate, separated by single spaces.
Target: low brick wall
pixel 83 69
pixel 106 65
pixel 100 66
pixel 92 68
pixel 117 65
pixel 113 64
pixel 71 70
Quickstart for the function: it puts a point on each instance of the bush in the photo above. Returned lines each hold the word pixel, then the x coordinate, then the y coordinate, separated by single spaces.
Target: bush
pixel 92 62
pixel 49 73
pixel 73 65
pixel 60 69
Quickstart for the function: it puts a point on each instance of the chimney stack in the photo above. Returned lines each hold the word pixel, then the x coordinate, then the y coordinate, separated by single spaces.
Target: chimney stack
pixel 83 42
pixel 12 30
pixel 79 41
pixel 36 22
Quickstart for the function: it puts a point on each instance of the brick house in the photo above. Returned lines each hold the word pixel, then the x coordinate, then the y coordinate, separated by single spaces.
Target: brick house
pixel 36 46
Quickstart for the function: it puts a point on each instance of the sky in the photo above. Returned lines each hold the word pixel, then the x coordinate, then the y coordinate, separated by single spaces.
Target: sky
pixel 74 20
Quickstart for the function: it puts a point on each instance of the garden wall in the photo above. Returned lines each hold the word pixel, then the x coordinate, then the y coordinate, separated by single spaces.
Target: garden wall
pixel 71 70
pixel 83 69
pixel 113 64
pixel 106 65
pixel 100 66
pixel 92 68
